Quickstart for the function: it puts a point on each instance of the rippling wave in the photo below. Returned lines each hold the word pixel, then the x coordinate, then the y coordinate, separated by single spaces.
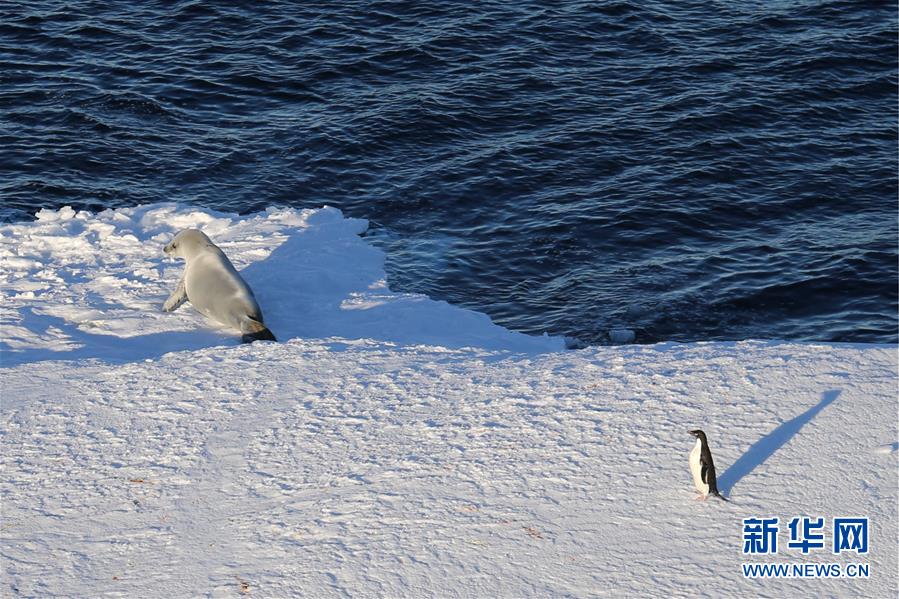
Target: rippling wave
pixel 690 170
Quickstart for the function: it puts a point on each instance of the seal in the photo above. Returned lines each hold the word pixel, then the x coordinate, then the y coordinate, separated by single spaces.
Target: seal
pixel 212 285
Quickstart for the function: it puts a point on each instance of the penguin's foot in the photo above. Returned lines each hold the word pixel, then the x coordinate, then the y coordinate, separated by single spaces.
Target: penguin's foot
pixel 699 498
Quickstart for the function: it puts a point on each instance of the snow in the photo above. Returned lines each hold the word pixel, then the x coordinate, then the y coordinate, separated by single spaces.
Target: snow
pixel 392 445
pixel 74 285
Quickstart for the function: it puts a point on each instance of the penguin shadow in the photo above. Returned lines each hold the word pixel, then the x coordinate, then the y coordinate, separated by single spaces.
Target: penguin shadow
pixel 765 447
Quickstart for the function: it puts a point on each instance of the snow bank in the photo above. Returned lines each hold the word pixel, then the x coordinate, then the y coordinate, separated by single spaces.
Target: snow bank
pixel 77 286
pixel 395 446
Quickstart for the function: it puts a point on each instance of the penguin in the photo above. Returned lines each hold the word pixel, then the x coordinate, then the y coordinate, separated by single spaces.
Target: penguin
pixel 703 468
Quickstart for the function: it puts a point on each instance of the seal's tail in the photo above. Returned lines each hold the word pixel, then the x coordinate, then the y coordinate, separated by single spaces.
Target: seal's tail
pixel 254 330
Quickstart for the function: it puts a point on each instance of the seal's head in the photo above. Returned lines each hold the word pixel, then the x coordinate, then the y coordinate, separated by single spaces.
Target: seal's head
pixel 187 243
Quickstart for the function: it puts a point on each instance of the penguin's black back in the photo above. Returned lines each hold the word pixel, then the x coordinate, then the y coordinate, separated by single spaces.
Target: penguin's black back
pixel 708 467
pixel 707 464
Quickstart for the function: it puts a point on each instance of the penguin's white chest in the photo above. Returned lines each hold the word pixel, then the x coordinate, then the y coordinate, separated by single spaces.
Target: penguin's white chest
pixel 696 468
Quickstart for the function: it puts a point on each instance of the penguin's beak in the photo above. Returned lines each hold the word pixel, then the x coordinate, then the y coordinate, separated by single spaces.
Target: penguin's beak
pixel 694 433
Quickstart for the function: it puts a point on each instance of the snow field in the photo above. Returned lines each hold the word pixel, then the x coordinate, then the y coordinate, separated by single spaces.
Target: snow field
pixel 395 446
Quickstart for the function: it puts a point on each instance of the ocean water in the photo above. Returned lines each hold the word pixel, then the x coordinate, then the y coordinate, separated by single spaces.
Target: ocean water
pixel 689 170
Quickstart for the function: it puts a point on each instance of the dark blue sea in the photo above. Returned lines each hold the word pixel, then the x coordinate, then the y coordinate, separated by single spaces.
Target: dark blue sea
pixel 689 170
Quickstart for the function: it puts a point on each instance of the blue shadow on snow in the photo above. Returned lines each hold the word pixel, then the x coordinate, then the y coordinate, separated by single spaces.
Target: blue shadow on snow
pixel 765 447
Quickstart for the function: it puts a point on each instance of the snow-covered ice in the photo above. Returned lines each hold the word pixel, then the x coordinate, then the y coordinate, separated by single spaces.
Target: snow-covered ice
pixel 74 285
pixel 393 445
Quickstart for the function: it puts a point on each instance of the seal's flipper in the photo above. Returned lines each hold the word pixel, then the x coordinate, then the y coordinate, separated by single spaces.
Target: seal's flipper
pixel 178 297
pixel 263 335
pixel 253 330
